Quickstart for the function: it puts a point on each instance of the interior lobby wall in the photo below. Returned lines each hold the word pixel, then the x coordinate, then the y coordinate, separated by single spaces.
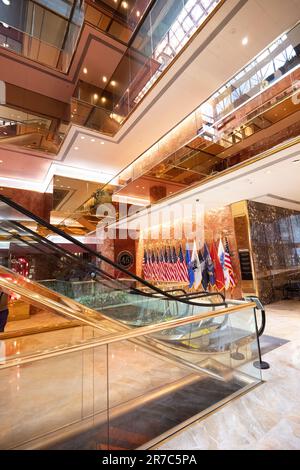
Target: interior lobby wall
pixel 218 223
pixel 38 203
pixel 275 240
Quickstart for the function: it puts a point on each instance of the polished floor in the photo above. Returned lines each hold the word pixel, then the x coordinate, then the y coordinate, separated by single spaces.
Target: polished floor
pixel 268 417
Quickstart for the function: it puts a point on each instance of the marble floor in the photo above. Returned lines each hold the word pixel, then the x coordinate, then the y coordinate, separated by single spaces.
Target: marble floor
pixel 268 417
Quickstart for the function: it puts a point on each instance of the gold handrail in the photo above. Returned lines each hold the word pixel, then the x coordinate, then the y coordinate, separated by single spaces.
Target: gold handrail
pixel 118 337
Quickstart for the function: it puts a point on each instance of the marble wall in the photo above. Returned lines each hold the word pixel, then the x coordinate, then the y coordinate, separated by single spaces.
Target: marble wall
pixel 217 223
pixel 38 203
pixel 275 240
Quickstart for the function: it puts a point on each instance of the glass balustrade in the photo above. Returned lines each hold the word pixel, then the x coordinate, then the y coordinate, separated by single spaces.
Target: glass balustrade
pixel 23 129
pixel 162 34
pixel 46 32
pixel 130 389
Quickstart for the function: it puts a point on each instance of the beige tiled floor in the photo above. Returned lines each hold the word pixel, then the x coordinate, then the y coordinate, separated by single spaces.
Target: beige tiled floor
pixel 267 417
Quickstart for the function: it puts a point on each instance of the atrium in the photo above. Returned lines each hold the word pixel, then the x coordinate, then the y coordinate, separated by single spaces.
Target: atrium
pixel 149 225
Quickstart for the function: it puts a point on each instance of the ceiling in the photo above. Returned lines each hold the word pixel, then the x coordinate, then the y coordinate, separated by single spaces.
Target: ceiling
pixel 208 62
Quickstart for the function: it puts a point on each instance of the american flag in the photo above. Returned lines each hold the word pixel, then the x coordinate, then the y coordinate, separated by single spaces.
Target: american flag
pixel 228 264
pixel 182 271
pixel 154 267
pixel 167 267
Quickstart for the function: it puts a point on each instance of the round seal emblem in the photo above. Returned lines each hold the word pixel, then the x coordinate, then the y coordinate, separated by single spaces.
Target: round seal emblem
pixel 125 259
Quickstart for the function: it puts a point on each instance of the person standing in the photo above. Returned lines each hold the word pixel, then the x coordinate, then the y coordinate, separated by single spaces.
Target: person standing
pixel 3 310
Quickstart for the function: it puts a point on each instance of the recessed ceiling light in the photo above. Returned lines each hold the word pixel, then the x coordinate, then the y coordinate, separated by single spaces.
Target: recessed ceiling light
pixel 102 143
pixel 113 83
pixel 82 137
pixel 245 41
pixel 103 99
pixel 76 148
pixel 96 96
pixel 138 13
pixel 1 161
pixel 104 79
pixel 92 140
pixel 85 70
pixel 124 5
pixel 6 2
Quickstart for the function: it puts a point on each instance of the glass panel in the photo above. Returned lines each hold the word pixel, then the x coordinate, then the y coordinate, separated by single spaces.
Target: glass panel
pixel 56 403
pixel 159 383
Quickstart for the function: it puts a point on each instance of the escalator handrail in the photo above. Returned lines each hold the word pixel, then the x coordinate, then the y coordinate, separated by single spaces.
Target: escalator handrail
pixel 263 323
pixel 68 237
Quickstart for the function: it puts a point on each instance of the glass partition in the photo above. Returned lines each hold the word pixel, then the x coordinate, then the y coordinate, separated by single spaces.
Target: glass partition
pixel 129 390
pixel 160 36
pixel 44 31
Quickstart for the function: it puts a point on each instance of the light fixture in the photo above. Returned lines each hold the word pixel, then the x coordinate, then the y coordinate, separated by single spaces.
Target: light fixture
pixel 6 2
pixel 113 83
pixel 1 161
pixel 96 96
pixel 138 13
pixel 124 5
pixel 5 25
pixel 245 41
pixel 85 70
pixel 92 140
pixel 102 143
pixel 103 99
pixel 76 148
pixel 296 161
pixel 82 137
pixel 104 79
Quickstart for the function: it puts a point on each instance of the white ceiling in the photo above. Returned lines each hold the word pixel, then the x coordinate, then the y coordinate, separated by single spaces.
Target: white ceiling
pixel 211 59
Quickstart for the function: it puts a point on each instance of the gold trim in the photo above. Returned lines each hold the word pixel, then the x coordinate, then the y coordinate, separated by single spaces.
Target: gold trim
pixel 118 337
pixel 155 444
pixel 41 329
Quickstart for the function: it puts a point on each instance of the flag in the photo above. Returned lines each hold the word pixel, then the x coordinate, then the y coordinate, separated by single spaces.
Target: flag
pixel 189 266
pixel 209 266
pixel 196 266
pixel 183 274
pixel 172 264
pixel 153 267
pixel 161 265
pixel 221 256
pixel 219 275
pixel 204 271
pixel 145 265
pixel 228 264
pixel 167 267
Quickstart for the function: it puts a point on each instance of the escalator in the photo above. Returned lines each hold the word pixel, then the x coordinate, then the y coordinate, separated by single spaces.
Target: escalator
pixel 131 363
pixel 82 274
